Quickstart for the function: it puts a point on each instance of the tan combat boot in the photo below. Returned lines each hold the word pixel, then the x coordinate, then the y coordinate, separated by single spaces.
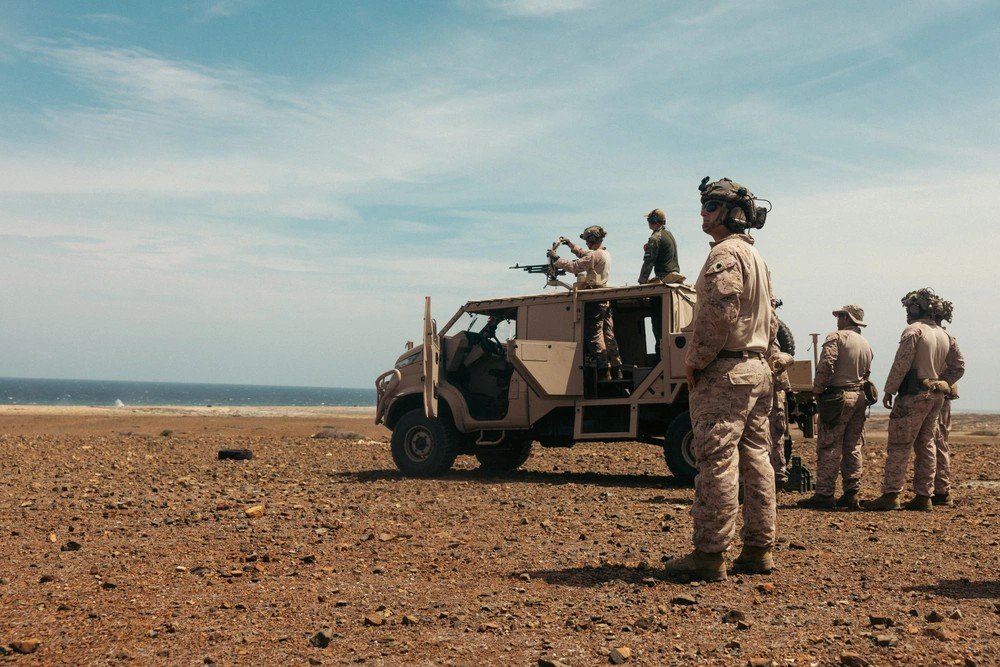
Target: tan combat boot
pixel 754 560
pixel 697 565
pixel 884 503
pixel 849 500
pixel 919 504
pixel 818 501
pixel 942 500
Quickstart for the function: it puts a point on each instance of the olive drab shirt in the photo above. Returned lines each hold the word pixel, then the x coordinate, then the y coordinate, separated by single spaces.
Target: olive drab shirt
pixel 591 269
pixel 923 346
pixel 846 359
pixel 733 310
pixel 661 253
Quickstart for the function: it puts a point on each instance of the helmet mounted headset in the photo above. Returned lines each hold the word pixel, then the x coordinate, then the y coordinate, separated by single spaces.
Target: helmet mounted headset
pixel 744 213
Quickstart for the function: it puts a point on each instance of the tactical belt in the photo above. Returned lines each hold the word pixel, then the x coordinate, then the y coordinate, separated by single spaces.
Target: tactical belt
pixel 853 386
pixel 739 354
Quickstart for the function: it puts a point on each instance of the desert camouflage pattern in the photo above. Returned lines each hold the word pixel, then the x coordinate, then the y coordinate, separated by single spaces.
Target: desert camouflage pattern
pixel 912 423
pixel 846 358
pixel 598 329
pixel 778 422
pixel 942 452
pixel 838 447
pixel 733 311
pixel 923 346
pixel 729 410
pixel 592 267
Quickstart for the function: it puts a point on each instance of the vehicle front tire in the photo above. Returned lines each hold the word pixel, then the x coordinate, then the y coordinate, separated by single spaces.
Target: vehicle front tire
pixel 504 458
pixel 423 447
pixel 678 448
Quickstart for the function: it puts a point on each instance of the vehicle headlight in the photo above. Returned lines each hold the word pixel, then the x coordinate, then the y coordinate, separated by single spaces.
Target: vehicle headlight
pixel 406 361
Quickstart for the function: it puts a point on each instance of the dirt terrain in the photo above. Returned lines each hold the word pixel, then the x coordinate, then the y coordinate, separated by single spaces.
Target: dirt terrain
pixel 126 541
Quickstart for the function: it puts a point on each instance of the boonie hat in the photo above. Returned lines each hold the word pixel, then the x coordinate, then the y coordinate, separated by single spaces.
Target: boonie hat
pixel 657 215
pixel 855 312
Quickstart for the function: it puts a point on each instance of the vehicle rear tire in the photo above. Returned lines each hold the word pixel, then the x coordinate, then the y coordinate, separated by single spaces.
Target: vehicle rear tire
pixel 504 458
pixel 678 448
pixel 423 447
pixel 786 342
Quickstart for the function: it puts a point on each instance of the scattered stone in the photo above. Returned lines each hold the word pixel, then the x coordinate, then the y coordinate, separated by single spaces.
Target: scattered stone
pixel 410 620
pixel 760 662
pixel 956 614
pixel 620 655
pixel 766 588
pixel 322 638
pixel 886 640
pixel 71 546
pixel 108 585
pixel 551 662
pixel 235 454
pixel 742 625
pixel 524 576
pixel 933 617
pixel 849 659
pixel 797 546
pixel 733 616
pixel 333 433
pixel 374 619
pixel 881 621
pixel 943 634
pixel 46 578
pixel 308 560
pixel 26 646
pixel 683 600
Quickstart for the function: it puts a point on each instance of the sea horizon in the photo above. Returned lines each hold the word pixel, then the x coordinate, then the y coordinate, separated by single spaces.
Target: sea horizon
pixel 75 392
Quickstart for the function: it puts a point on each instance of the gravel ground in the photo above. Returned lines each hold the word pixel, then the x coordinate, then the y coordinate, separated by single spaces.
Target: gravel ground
pixel 124 545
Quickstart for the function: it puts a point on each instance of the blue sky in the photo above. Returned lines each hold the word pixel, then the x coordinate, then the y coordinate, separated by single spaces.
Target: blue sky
pixel 260 192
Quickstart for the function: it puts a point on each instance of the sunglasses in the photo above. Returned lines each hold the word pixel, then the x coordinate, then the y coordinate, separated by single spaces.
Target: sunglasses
pixel 711 205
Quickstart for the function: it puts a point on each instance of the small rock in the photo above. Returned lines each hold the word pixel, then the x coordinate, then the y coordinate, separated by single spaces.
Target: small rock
pixel 551 662
pixel 760 662
pixel 943 634
pixel 883 621
pixel 849 659
pixel 733 616
pixel 933 617
pixel 374 619
pixel 683 600
pixel 410 620
pixel 797 546
pixel 524 576
pixel 71 546
pixel 308 560
pixel 322 638
pixel 766 588
pixel 254 511
pixel 742 625
pixel 108 585
pixel 46 578
pixel 620 655
pixel 956 614
pixel 886 640
pixel 26 646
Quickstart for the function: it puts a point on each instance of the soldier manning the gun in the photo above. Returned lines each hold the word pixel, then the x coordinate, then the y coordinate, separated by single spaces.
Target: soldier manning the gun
pixel 778 418
pixel 592 270
pixel 956 363
pixel 660 252
pixel 733 331
pixel 922 376
pixel 844 364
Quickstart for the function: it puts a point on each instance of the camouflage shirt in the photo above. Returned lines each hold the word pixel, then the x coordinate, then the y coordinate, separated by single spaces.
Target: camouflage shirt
pixel 924 347
pixel 846 359
pixel 733 311
pixel 591 269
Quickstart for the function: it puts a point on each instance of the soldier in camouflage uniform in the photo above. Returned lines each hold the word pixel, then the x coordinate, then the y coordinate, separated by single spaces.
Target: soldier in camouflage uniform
pixel 733 333
pixel 922 377
pixel 592 269
pixel 955 361
pixel 660 252
pixel 778 418
pixel 844 363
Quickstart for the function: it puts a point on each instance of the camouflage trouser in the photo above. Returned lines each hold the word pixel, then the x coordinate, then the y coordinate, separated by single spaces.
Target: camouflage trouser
pixel 838 447
pixel 599 330
pixel 729 411
pixel 911 426
pixel 942 477
pixel 778 420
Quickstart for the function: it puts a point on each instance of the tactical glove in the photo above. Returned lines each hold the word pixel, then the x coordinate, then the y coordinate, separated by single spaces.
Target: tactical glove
pixel 551 254
pixel 565 241
pixel 780 361
pixel 937 385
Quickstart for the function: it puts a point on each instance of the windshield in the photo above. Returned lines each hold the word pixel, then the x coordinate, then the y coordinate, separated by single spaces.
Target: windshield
pixel 501 323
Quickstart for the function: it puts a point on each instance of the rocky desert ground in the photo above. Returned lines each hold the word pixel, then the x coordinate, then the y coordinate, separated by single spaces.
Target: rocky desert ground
pixel 126 541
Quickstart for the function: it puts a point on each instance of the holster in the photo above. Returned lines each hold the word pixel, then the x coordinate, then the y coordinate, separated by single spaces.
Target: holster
pixel 830 405
pixel 911 386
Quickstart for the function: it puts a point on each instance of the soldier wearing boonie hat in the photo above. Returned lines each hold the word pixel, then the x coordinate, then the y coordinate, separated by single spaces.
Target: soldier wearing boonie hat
pixel 844 364
pixel 733 333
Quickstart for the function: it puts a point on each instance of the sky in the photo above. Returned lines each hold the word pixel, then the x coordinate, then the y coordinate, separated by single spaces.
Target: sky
pixel 247 191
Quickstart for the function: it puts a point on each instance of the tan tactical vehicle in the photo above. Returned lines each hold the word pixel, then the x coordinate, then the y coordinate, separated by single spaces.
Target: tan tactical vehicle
pixel 505 373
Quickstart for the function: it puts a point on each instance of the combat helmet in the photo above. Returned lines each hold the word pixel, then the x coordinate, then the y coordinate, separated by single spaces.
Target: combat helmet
pixel 593 233
pixel 920 303
pixel 943 310
pixel 740 199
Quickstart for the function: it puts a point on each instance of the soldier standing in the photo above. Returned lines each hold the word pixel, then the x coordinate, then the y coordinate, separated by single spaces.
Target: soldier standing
pixel 660 252
pixel 844 363
pixel 778 418
pixel 956 362
pixel 733 331
pixel 921 376
pixel 592 269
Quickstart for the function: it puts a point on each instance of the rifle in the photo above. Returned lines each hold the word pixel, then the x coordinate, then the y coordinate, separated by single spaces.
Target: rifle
pixel 551 271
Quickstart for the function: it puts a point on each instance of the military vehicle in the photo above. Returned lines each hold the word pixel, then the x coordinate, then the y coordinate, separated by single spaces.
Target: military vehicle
pixel 505 373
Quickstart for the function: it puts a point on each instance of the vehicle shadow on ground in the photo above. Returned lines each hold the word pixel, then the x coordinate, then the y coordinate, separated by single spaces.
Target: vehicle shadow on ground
pixel 532 477
pixel 590 575
pixel 960 589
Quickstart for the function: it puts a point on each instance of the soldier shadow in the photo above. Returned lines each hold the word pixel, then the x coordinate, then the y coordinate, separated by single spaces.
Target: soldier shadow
pixel 960 589
pixel 638 481
pixel 589 576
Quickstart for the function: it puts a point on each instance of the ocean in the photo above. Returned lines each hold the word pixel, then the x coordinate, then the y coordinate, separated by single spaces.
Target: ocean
pixel 32 391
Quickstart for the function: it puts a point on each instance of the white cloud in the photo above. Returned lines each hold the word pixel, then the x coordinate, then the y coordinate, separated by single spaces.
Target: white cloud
pixel 540 8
